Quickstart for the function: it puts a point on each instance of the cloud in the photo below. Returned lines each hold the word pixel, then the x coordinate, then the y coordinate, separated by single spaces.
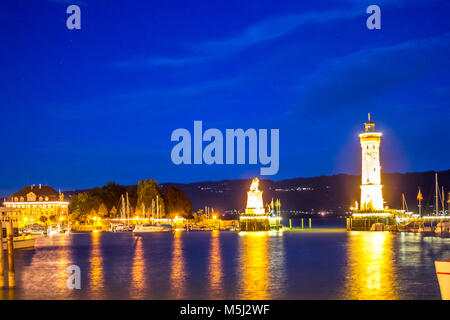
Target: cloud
pixel 271 29
pixel 265 30
pixel 360 78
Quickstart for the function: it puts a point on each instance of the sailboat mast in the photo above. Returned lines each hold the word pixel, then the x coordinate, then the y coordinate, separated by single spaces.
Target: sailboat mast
pixel 143 210
pixel 153 208
pixel 128 210
pixel 437 194
pixel 157 207
pixel 443 201
pixel 123 208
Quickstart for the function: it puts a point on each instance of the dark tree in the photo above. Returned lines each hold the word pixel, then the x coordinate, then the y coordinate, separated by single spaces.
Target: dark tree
pixel 177 203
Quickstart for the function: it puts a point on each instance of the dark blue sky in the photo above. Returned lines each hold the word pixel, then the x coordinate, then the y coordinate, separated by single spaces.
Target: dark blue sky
pixel 81 108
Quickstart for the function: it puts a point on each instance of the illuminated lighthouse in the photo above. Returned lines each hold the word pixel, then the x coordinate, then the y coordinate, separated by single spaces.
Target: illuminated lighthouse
pixel 371 187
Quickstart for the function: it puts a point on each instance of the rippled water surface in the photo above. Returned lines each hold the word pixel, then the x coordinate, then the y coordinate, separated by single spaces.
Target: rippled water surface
pixel 320 264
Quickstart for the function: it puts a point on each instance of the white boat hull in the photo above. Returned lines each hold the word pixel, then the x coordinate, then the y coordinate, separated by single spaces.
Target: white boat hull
pixel 443 275
pixel 140 229
pixel 21 243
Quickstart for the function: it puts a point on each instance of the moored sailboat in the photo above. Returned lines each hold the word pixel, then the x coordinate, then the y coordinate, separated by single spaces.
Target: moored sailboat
pixel 124 216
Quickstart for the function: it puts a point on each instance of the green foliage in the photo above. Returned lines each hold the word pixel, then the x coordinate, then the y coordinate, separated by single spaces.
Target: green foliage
pixel 177 203
pixel 102 211
pixel 43 219
pixel 104 202
pixel 97 201
pixel 148 190
pixel 113 211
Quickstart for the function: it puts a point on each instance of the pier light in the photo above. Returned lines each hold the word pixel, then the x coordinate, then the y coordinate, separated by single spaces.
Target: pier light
pixel 376 214
pixel 215 217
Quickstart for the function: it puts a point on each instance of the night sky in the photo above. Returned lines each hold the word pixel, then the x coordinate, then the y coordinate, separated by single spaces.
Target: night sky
pixel 83 107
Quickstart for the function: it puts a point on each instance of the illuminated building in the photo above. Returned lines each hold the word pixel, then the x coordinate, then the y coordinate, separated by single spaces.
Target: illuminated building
pixel 372 214
pixel 33 202
pixel 371 188
pixel 371 209
pixel 255 217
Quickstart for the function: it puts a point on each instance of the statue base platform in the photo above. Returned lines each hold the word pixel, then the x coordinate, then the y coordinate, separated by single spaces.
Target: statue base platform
pixel 254 223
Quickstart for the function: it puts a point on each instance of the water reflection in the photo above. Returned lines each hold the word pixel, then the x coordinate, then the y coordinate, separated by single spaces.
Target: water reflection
pixel 44 268
pixel 138 275
pixel 96 280
pixel 178 273
pixel 277 270
pixel 7 294
pixel 234 266
pixel 254 266
pixel 370 273
pixel 215 268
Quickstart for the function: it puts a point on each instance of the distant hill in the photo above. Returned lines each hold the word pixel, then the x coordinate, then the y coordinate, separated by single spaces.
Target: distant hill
pixel 334 194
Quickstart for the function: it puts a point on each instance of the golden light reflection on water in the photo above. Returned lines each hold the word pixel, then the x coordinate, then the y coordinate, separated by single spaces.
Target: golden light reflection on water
pixel 138 275
pixel 215 268
pixel 177 275
pixel 96 268
pixel 254 266
pixel 47 268
pixel 63 261
pixel 370 274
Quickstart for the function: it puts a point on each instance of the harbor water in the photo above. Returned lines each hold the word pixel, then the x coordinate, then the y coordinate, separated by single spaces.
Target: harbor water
pixel 323 263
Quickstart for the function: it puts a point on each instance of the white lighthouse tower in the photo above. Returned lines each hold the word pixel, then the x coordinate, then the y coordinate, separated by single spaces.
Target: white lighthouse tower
pixel 371 187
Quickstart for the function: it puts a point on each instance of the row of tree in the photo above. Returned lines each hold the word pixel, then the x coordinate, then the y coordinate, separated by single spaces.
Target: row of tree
pixel 105 202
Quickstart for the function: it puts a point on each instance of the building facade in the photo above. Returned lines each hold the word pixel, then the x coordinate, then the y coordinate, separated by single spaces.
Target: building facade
pixel 31 203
